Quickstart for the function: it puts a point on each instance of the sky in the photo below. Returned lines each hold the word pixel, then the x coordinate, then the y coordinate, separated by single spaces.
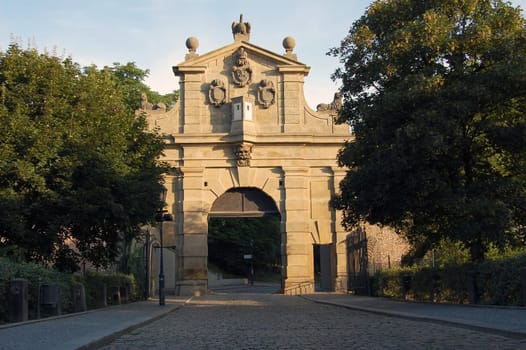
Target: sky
pixel 152 33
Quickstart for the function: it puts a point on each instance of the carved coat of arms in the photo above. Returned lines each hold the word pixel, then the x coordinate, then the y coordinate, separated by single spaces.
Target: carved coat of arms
pixel 217 92
pixel 266 93
pixel 241 71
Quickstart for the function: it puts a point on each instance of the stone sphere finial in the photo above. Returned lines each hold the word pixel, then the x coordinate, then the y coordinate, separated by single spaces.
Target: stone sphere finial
pixel 192 44
pixel 289 43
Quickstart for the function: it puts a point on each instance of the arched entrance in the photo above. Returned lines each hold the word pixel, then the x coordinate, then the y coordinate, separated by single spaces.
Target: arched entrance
pixel 244 242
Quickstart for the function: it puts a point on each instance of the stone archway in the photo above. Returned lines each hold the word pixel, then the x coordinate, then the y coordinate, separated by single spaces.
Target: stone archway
pixel 241 128
pixel 252 252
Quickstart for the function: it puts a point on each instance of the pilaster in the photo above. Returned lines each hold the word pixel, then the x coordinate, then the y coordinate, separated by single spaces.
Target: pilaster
pixel 191 80
pixel 300 264
pixel 292 99
pixel 193 272
pixel 340 239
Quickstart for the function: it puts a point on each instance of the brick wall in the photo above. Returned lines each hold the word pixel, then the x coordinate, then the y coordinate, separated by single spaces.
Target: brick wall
pixel 385 248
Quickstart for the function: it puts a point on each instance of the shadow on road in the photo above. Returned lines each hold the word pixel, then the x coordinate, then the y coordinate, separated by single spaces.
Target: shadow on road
pixel 239 286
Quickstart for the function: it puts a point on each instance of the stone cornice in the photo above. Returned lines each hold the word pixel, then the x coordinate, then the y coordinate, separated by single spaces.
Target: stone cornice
pixel 294 69
pixel 265 139
pixel 179 70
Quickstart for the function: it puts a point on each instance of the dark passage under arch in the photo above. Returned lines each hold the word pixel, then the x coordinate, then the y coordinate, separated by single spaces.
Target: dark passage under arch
pixel 244 202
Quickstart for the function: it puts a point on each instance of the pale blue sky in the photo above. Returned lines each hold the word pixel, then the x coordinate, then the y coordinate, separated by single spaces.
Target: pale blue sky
pixel 152 33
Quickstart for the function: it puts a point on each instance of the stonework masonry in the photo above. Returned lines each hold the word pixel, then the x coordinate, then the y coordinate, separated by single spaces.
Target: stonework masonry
pixel 242 122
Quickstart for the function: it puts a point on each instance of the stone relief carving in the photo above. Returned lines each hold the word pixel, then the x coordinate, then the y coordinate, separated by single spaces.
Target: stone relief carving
pixel 144 104
pixel 335 105
pixel 266 93
pixel 147 106
pixel 217 92
pixel 241 71
pixel 243 152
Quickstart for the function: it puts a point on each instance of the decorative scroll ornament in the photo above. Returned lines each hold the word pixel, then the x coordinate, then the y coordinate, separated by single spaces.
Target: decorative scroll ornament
pixel 243 152
pixel 266 93
pixel 217 92
pixel 241 71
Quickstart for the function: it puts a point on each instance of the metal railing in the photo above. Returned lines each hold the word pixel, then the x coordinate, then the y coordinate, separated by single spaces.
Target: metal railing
pixel 300 288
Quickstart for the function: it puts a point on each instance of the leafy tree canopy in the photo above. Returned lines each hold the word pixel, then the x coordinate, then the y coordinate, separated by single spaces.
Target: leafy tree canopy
pixel 435 92
pixel 76 165
pixel 130 79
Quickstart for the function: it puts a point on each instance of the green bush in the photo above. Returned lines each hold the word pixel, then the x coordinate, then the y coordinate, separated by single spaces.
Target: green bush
pixel 96 283
pixel 498 282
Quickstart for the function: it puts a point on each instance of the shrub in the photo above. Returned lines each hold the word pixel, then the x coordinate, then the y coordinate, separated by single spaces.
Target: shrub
pixel 96 283
pixel 498 282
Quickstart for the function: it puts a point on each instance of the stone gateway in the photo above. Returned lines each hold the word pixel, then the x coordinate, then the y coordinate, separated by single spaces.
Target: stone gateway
pixel 242 126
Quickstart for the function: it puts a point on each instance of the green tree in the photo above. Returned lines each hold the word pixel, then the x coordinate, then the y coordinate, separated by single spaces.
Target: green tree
pixel 131 78
pixel 76 165
pixel 34 108
pixel 435 93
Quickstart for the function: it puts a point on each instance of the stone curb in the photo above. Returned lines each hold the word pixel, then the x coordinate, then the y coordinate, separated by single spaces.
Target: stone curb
pixel 100 340
pixel 111 337
pixel 414 317
pixel 50 318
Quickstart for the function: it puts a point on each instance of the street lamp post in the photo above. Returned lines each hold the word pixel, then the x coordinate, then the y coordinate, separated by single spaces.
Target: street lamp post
pixel 160 219
pixel 148 262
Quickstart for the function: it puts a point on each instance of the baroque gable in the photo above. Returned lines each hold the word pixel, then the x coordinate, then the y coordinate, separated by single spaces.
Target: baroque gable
pixel 269 84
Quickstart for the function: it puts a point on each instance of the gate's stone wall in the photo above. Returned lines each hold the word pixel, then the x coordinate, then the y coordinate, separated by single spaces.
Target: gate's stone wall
pixel 242 121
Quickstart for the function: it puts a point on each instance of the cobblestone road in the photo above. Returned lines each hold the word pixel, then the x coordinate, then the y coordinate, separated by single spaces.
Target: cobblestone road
pixel 272 321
